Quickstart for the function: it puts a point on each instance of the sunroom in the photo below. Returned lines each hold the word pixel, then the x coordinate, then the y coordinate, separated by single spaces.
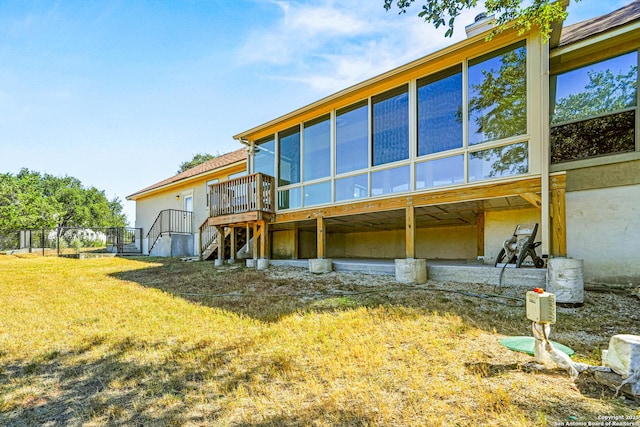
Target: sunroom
pixel 440 158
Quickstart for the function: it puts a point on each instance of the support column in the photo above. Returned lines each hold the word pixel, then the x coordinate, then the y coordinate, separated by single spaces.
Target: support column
pixel 321 239
pixel 410 270
pixel 480 234
pixel 263 261
pixel 234 249
pixel 320 264
pixel 253 261
pixel 559 221
pixel 410 232
pixel 220 260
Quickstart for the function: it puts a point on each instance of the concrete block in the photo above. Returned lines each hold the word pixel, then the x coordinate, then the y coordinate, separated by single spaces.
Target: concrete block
pixel 251 263
pixel 218 262
pixel 624 354
pixel 262 264
pixel 411 270
pixel 320 265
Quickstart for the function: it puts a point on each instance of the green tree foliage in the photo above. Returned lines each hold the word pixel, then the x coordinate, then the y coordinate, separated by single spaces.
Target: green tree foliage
pixel 197 159
pixel 34 200
pixel 539 13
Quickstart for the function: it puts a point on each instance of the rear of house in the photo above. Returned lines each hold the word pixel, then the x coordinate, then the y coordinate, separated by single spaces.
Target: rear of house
pixel 441 159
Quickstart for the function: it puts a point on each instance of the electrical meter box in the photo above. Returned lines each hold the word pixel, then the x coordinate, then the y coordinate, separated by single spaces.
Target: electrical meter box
pixel 541 306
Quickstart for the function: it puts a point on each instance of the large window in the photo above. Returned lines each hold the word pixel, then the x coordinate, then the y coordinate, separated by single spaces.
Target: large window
pixel 317 148
pixel 435 173
pixel 352 138
pixel 593 109
pixel 317 194
pixel 496 162
pixel 265 156
pixel 391 126
pixel 440 111
pixel 498 94
pixel 290 199
pixel 388 181
pixel 289 156
pixel 460 125
pixel 353 187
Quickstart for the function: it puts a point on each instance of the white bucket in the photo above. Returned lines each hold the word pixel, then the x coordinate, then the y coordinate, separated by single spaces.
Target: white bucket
pixel 565 280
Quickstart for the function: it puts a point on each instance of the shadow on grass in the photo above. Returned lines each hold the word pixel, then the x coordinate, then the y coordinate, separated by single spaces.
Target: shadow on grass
pixel 267 298
pixel 190 385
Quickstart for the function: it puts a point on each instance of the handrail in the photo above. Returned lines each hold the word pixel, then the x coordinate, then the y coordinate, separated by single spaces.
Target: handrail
pixel 249 193
pixel 208 235
pixel 170 221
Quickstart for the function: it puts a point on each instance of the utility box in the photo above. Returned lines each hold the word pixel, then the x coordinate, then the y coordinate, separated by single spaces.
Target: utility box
pixel 541 306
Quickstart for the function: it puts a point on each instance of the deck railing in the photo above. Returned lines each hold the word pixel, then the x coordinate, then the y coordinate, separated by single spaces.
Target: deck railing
pixel 245 194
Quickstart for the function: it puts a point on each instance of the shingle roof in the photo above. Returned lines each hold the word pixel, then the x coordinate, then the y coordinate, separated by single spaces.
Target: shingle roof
pixel 600 24
pixel 208 166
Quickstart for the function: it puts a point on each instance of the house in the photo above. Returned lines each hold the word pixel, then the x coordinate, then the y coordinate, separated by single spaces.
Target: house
pixel 443 157
pixel 170 212
pixel 438 159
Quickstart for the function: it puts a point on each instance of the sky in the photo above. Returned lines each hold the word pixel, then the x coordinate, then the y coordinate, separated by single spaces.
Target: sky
pixel 118 93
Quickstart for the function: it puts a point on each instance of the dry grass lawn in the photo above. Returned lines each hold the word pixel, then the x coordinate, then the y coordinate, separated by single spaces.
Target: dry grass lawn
pixel 162 342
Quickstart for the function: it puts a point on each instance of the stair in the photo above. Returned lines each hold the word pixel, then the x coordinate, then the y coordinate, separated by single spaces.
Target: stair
pixel 211 251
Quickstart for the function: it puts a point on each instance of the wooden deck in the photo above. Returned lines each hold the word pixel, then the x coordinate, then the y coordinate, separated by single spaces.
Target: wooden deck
pixel 246 202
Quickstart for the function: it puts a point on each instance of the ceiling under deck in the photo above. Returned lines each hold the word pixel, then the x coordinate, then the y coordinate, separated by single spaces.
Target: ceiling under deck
pixel 453 214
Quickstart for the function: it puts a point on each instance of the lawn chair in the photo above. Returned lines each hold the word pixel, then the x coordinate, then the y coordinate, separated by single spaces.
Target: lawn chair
pixel 520 246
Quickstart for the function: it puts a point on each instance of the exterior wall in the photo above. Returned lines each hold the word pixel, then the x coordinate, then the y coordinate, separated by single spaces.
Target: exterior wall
pixel 307 244
pixel 455 242
pixel 283 244
pixel 446 242
pixel 431 243
pixel 500 225
pixel 603 221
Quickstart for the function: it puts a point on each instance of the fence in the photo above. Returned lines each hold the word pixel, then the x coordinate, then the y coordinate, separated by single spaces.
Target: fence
pixel 72 241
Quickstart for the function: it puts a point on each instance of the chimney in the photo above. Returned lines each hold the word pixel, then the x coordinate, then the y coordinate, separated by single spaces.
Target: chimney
pixel 481 23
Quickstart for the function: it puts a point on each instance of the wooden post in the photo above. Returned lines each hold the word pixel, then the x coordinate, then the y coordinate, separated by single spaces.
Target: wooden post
pixel 264 239
pixel 220 231
pixel 259 198
pixel 234 250
pixel 559 221
pixel 255 240
pixel 410 232
pixel 321 238
pixel 480 233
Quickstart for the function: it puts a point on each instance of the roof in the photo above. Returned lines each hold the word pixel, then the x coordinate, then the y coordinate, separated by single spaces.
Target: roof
pixel 203 168
pixel 600 24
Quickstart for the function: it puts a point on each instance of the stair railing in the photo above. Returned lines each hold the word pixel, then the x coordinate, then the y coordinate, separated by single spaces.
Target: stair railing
pixel 208 236
pixel 170 221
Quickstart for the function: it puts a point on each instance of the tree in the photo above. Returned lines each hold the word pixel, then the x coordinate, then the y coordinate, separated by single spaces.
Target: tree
pixel 197 159
pixel 31 200
pixel 540 13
